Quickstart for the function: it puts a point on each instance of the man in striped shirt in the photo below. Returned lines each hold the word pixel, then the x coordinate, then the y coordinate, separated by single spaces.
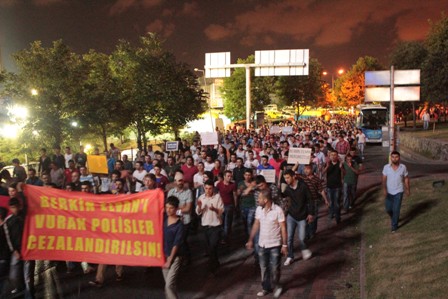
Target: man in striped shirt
pixel 317 189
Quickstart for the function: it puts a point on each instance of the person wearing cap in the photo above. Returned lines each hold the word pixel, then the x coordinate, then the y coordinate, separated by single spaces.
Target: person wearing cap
pixel 183 193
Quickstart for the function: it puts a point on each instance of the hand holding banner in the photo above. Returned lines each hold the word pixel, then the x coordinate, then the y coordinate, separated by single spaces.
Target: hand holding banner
pixel 103 229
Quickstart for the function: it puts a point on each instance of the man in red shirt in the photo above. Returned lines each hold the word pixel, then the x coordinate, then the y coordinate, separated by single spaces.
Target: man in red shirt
pixel 189 170
pixel 227 191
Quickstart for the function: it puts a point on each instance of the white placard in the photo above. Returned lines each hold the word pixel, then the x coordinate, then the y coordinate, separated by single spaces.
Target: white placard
pixel 287 130
pixel 275 130
pixel 209 138
pixel 333 121
pixel 269 175
pixel 401 77
pixel 301 155
pixel 401 94
pixel 172 146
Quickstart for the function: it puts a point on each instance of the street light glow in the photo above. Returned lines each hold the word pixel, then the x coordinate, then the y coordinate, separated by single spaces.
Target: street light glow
pixel 341 71
pixel 74 124
pixel 34 92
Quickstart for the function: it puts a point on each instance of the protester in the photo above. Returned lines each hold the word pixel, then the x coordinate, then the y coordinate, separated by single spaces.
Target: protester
pixel 210 207
pixel 270 223
pixel 300 212
pixel 172 246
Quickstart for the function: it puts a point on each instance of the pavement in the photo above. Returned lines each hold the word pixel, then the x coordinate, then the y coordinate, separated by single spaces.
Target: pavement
pixel 335 249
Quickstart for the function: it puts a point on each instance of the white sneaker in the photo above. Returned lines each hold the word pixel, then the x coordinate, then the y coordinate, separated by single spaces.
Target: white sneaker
pixel 288 261
pixel 306 254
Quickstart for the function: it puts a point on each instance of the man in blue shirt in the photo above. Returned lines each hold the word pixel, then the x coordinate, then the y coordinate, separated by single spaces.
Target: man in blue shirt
pixel 173 232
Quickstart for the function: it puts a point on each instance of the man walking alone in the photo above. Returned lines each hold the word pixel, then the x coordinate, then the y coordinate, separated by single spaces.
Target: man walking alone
pixel 395 182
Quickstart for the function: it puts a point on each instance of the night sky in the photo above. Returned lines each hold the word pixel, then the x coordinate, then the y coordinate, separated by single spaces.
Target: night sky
pixel 337 32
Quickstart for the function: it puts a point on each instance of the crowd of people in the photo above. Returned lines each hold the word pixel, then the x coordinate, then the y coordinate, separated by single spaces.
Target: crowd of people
pixel 206 187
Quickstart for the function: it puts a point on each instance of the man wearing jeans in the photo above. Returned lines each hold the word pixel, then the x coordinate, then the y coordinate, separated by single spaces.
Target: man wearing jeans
pixel 334 185
pixel 270 223
pixel 300 211
pixel 395 182
pixel 227 191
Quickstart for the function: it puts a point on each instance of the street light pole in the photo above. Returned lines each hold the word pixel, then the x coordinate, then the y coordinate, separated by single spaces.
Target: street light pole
pixel 209 100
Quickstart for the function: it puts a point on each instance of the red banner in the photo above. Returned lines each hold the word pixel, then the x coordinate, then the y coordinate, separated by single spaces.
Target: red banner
pixel 103 229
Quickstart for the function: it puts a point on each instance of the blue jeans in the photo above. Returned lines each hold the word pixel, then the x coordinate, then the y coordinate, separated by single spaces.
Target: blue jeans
pixel 311 228
pixel 425 125
pixel 270 267
pixel 248 215
pixel 227 220
pixel 393 206
pixel 349 195
pixel 291 225
pixel 334 195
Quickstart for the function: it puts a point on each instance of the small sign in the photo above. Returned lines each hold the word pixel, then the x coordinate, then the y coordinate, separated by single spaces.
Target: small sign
pixel 287 130
pixel 172 146
pixel 209 138
pixel 269 175
pixel 301 155
pixel 275 130
pixel 97 164
pixel 333 121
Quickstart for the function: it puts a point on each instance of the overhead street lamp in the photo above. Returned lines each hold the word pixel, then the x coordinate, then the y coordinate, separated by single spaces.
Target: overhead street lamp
pixel 34 92
pixel 209 100
pixel 339 72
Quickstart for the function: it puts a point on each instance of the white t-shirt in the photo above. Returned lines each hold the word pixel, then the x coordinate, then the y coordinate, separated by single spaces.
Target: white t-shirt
pixel 139 175
pixel 208 166
pixel 395 178
pixel 361 138
pixel 270 231
pixel 67 157
pixel 252 164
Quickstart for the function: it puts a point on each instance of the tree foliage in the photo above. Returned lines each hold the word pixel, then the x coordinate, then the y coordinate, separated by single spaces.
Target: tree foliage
pixel 138 86
pixel 349 88
pixel 435 67
pixel 304 90
pixel 234 91
pixel 56 73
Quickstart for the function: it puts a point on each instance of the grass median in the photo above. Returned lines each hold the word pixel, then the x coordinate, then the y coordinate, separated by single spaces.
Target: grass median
pixel 413 262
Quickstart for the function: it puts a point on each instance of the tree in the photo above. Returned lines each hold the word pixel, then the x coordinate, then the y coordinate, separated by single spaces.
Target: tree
pixel 56 74
pixel 158 94
pixel 349 88
pixel 406 56
pixel 100 107
pixel 234 91
pixel 306 90
pixel 435 67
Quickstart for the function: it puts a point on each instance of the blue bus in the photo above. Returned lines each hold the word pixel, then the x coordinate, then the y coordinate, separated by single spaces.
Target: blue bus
pixel 371 119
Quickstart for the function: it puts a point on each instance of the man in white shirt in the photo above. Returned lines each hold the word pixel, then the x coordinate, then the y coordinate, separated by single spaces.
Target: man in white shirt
pixel 270 221
pixel 138 175
pixel 395 182
pixel 251 163
pixel 68 156
pixel 210 207
pixel 361 142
